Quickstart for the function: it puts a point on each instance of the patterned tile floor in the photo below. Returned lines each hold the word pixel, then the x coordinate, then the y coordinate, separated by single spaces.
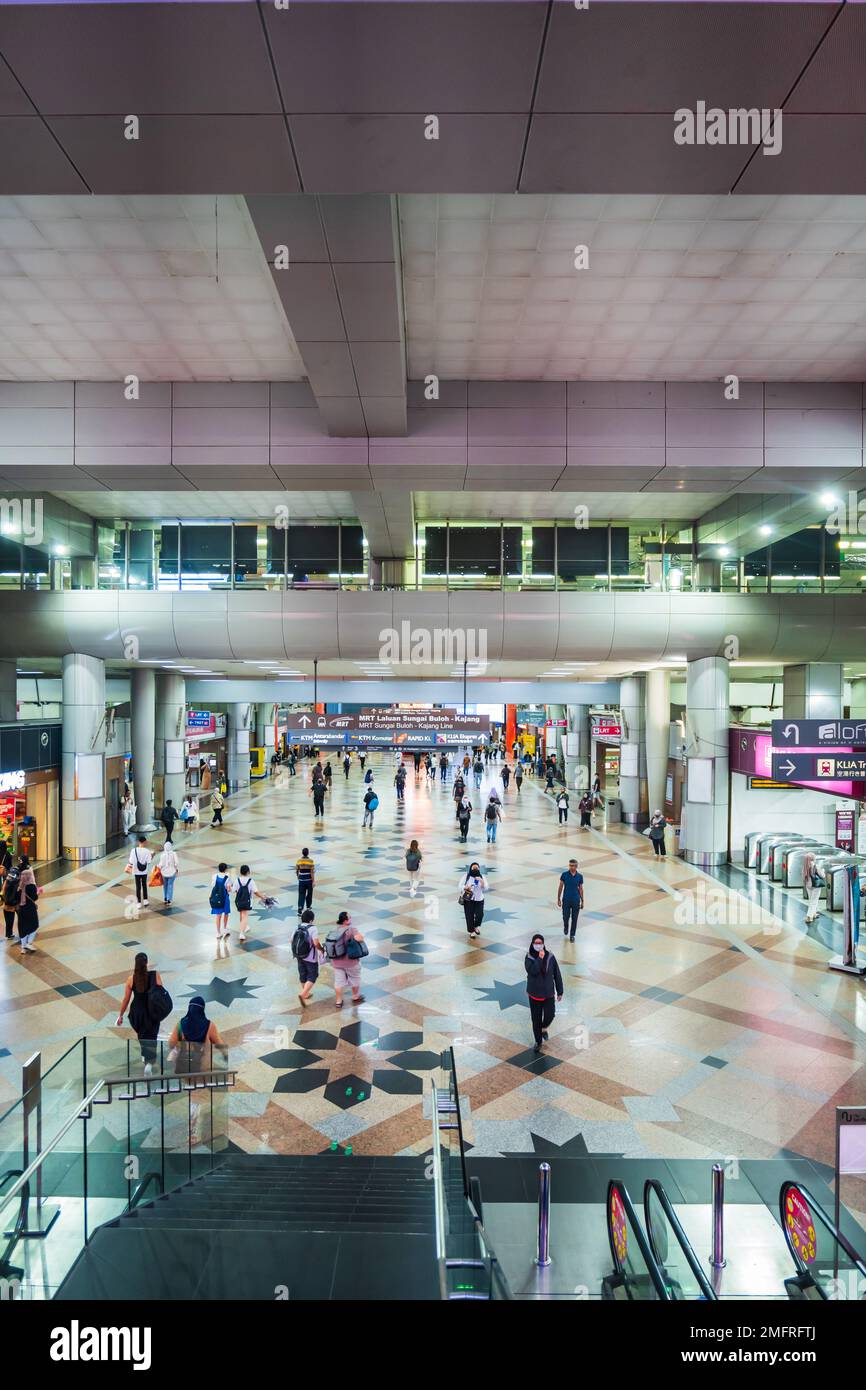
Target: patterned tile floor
pixel 694 1024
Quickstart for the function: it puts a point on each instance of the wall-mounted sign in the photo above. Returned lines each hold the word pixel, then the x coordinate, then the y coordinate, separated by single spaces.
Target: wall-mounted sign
pixel 817 767
pixel 12 781
pixel 200 721
pixel 606 728
pixel 531 714
pixel 846 833
pixel 818 733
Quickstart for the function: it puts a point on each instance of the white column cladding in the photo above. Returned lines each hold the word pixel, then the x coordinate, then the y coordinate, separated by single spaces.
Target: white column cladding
pixel 578 763
pixel 8 691
pixel 83 755
pixel 143 739
pixel 812 691
pixel 858 698
pixel 170 749
pixel 658 724
pixel 704 829
pixel 238 746
pixel 632 764
pixel 265 727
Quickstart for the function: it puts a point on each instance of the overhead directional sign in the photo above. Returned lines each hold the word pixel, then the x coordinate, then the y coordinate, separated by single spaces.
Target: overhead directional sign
pixel 813 767
pixel 418 728
pixel 818 733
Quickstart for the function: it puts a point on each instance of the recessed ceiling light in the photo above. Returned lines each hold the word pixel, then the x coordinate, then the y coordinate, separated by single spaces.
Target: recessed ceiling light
pixel 828 499
pixel 766 530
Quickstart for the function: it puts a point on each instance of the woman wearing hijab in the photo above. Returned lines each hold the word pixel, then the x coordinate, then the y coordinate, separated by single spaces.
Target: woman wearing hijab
pixel 464 812
pixel 472 890
pixel 189 1038
pixel 812 885
pixel 544 987
pixel 657 834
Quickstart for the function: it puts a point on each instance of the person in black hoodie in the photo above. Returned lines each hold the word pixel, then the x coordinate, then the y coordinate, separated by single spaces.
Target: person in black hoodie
pixel 543 982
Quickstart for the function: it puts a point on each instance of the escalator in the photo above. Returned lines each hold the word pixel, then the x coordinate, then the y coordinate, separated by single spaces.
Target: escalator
pixel 657 1263
pixel 827 1265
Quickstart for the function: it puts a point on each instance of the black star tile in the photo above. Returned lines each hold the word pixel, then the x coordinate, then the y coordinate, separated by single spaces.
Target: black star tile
pixel 571 1148
pixel 85 987
pixel 224 991
pixel 496 948
pixel 416 1061
pixel 286 1059
pixel 530 1060
pixel 385 897
pixel 374 962
pixel 315 1037
pixel 399 1042
pixel 498 914
pixel 409 938
pixel 348 1091
pixel 280 913
pixel 388 882
pixel 66 990
pixel 358 1033
pixel 504 995
pixel 299 1083
pixel 406 958
pixel 256 945
pixel 398 1083
pixel 717 1062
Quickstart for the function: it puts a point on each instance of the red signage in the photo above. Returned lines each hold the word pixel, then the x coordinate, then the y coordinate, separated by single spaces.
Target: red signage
pixel 606 728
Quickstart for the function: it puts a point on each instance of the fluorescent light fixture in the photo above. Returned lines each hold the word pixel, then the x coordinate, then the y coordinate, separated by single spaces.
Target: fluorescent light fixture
pixel 766 530
pixel 60 550
pixel 828 499
pixel 724 550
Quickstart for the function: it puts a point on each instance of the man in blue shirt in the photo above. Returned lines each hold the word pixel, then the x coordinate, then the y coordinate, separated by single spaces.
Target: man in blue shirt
pixel 570 897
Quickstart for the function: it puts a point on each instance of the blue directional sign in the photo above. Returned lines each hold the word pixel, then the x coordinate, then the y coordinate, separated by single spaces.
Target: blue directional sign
pixel 819 733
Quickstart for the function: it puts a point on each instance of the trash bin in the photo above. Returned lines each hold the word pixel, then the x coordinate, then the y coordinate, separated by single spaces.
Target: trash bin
pixel 613 810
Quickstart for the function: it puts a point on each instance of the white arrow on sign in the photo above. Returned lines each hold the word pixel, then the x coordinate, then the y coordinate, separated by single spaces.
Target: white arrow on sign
pixel 788 767
pixel 792 728
pixel 304 720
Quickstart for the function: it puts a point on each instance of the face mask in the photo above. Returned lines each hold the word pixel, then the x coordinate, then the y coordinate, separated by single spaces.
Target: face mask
pixel 537 945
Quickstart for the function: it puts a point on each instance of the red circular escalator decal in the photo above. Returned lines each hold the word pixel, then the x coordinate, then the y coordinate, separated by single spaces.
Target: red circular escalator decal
pixel 801 1227
pixel 619 1229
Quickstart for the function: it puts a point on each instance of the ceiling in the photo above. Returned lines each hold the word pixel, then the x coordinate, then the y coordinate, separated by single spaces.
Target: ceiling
pixel 686 288
pixel 168 288
pixel 241 505
pixel 545 506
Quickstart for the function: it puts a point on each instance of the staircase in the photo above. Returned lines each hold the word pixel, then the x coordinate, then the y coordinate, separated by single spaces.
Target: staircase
pixel 272 1227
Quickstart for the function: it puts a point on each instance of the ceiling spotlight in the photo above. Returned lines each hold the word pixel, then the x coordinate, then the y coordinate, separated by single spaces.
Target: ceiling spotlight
pixel 724 550
pixel 828 499
pixel 766 530
pixel 61 549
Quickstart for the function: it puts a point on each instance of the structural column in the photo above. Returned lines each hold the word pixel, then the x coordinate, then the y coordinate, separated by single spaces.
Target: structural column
pixel 143 738
pixel 579 762
pixel 238 746
pixel 8 691
pixel 704 829
pixel 83 752
pixel 812 691
pixel 632 753
pixel 265 727
pixel 658 723
pixel 858 699
pixel 170 750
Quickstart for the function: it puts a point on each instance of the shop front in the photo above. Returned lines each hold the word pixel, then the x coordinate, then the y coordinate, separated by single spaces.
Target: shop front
pixel 205 747
pixel 606 734
pixel 30 756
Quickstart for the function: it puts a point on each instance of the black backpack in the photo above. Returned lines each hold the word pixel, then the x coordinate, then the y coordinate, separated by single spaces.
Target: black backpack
pixel 490 813
pixel 302 943
pixel 158 1003
pixel 218 893
pixel 12 887
pixel 243 898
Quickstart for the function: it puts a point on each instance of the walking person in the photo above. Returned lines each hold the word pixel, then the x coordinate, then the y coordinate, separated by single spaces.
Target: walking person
pixel 347 763
pixel 245 890
pixel 345 948
pixel 309 952
pixel 189 1037
pixel 305 873
pixel 11 894
pixel 416 758
pixel 371 802
pixel 518 776
pixel 168 868
pixel 169 817
pixel 478 770
pixel 138 864
pixel 657 834
pixel 317 791
pixel 544 987
pixel 464 813
pixel 217 802
pixel 188 813
pixel 431 768
pixel 584 806
pixel 328 775
pixel 413 866
pixel 472 889
pixel 505 775
pixel 220 900
pixel 492 817
pixel 443 766
pixel 138 990
pixel 569 898
pixel 362 757
pixel 548 787
pixel 812 885
pixel 562 806
pixel 292 760
pixel 28 913
pixel 400 782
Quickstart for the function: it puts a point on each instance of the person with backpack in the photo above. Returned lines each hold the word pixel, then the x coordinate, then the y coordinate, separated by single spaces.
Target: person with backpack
pixel 151 1003
pixel 400 782
pixel 549 776
pixel 477 770
pixel 245 891
pixel 472 890
pixel 328 775
pixel 371 802
pixel 168 868
pixel 345 948
pixel 492 817
pixel 544 987
pixel 309 952
pixel 464 813
pixel 11 896
pixel 413 866
pixel 443 766
pixel 562 806
pixel 138 865
pixel 169 817
pixel 220 900
pixel 305 873
pixel 217 803
pixel 292 760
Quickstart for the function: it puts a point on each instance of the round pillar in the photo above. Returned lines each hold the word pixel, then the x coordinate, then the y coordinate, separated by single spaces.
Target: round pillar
pixel 143 739
pixel 632 753
pixel 170 748
pixel 238 746
pixel 658 723
pixel 704 828
pixel 578 762
pixel 8 691
pixel 83 754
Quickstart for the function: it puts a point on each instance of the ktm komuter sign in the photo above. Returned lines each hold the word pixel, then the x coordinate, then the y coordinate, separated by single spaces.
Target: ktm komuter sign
pixel 389 726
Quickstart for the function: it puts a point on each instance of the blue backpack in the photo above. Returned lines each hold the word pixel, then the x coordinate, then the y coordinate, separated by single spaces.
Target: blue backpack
pixel 373 803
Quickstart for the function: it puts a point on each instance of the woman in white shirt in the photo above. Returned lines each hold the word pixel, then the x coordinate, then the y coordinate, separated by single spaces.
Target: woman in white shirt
pixel 246 891
pixel 472 890
pixel 168 867
pixel 189 813
pixel 138 864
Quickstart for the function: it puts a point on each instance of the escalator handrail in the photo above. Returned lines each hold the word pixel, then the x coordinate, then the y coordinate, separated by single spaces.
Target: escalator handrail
pixel 652 1185
pixel 456 1094
pixel 643 1244
pixel 818 1211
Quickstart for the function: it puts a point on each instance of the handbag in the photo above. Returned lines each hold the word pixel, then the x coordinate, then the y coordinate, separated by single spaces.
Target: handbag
pixel 156 880
pixel 357 950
